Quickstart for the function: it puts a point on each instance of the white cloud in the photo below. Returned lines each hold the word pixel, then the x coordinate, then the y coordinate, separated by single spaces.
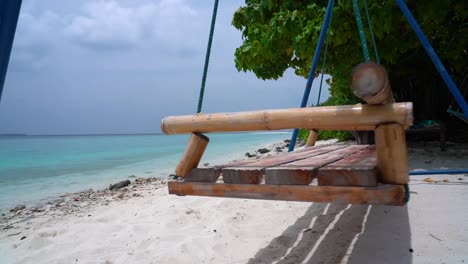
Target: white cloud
pixel 34 39
pixel 106 24
pixel 166 29
pixel 33 30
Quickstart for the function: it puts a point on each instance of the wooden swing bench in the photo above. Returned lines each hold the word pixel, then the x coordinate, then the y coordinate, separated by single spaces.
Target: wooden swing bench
pixel 340 173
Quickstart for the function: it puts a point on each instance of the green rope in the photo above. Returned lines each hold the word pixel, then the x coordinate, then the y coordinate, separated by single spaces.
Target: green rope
pixel 362 35
pixel 324 59
pixel 407 193
pixel 207 57
pixel 377 59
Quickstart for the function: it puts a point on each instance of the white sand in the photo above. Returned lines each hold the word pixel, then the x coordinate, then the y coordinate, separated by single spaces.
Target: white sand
pixel 158 228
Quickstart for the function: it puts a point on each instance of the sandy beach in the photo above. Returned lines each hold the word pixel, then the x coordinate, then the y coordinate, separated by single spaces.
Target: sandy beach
pixel 143 224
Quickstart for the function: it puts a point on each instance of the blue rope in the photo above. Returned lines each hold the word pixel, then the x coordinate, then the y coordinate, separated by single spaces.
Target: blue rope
pixel 431 172
pixel 313 68
pixel 207 57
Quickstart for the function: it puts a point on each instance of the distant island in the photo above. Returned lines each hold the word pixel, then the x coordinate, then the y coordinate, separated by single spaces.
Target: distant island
pixel 13 135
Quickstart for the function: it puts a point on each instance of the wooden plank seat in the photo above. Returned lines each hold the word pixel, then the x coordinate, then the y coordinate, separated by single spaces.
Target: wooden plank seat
pixel 329 163
pixel 211 174
pixel 345 173
pixel 357 174
pixel 359 169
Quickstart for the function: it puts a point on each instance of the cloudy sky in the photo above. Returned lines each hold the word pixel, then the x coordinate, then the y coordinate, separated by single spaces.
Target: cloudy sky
pixel 120 66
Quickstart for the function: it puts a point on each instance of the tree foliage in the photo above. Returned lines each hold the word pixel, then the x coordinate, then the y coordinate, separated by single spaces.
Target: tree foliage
pixel 282 34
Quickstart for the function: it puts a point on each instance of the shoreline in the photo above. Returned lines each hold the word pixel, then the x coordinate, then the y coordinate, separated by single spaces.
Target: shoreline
pixel 78 202
pixel 37 192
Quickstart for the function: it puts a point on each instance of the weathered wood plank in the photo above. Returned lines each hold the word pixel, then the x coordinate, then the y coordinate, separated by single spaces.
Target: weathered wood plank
pixel 203 175
pixel 289 175
pixel 293 156
pixel 382 194
pixel 304 171
pixel 358 169
pixel 253 172
pixel 326 157
pixel 211 174
pixel 249 175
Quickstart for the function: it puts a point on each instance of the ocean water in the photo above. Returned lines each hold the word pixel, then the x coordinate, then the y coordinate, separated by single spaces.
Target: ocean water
pixel 34 169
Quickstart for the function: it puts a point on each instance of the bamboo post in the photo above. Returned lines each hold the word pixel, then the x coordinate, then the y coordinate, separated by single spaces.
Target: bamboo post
pixel 342 117
pixel 313 135
pixel 392 156
pixel 369 81
pixel 192 154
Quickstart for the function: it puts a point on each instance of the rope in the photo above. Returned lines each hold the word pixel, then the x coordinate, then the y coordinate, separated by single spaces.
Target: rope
pixel 324 59
pixel 377 59
pixel 407 193
pixel 362 35
pixel 207 57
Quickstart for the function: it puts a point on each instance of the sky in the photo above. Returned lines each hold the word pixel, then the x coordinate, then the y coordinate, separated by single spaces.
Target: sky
pixel 120 66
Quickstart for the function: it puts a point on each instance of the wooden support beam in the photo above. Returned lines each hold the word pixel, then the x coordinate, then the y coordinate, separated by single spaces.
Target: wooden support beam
pixel 359 169
pixel 203 175
pixel 192 154
pixel 344 117
pixel 304 171
pixel 382 194
pixel 249 175
pixel 290 175
pixel 313 136
pixel 211 174
pixel 392 156
pixel 369 81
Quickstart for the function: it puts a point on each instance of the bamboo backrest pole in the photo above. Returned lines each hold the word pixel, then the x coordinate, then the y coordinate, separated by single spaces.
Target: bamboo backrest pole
pixel 192 154
pixel 341 117
pixel 369 81
pixel 313 136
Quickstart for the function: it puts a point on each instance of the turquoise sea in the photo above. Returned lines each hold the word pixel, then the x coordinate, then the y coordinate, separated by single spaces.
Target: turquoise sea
pixel 34 169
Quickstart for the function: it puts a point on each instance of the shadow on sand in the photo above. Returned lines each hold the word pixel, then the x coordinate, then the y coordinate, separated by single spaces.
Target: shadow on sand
pixel 334 233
